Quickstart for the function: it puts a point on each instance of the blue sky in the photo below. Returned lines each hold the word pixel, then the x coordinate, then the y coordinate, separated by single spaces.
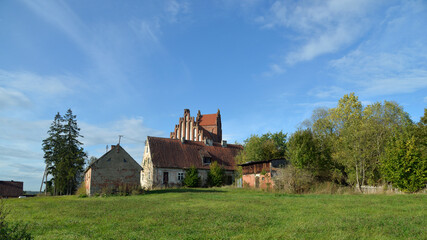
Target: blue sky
pixel 131 67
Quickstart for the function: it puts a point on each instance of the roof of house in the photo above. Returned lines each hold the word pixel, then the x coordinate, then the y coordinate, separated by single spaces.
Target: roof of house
pixel 109 153
pixel 208 119
pixel 172 153
pixel 265 161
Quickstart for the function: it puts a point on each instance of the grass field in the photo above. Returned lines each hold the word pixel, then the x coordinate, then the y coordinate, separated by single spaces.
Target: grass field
pixel 224 213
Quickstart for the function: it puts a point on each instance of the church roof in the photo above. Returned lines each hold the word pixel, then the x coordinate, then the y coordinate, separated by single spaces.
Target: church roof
pixel 172 153
pixel 208 119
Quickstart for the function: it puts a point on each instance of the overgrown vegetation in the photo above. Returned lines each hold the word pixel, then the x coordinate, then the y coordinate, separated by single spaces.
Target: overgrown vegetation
pixel 224 213
pixel 352 145
pixel 11 231
pixel 215 175
pixel 191 178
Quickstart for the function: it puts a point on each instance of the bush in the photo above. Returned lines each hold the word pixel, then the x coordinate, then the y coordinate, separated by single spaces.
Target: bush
pixel 11 231
pixel 191 178
pixel 215 175
pixel 293 180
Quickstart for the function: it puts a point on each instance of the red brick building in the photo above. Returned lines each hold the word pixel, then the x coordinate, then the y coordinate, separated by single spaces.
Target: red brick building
pixel 203 127
pixel 261 174
pixel 11 189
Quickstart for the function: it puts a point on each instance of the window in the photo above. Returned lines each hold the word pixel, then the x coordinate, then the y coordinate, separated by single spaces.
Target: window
pixel 206 160
pixel 180 176
pixel 124 160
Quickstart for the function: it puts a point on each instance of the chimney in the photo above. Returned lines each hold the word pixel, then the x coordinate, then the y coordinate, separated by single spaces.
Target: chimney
pixel 224 143
pixel 183 140
pixel 112 147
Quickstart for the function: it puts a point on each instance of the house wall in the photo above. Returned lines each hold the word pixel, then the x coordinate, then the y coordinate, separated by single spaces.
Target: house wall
pixel 112 171
pixel 264 181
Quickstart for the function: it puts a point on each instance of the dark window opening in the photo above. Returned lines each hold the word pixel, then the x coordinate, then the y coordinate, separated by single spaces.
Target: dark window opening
pixel 206 160
pixel 124 160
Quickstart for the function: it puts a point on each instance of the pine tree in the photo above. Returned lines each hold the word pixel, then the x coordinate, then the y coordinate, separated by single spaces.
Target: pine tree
pixel 64 155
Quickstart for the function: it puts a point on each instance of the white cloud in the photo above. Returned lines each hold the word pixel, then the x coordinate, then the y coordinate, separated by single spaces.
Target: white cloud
pixel 32 83
pixel 132 129
pixel 12 98
pixel 327 92
pixel 175 9
pixel 319 27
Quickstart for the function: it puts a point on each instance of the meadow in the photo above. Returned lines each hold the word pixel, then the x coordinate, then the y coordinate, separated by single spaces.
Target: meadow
pixel 224 213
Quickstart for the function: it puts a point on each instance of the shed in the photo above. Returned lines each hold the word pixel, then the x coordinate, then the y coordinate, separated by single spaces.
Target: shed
pixel 260 174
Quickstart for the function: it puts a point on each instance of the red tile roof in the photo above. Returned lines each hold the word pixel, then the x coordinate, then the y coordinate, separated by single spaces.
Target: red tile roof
pixel 208 119
pixel 171 153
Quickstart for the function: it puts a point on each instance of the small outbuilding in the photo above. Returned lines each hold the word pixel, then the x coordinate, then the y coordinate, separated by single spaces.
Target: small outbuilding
pixel 11 189
pixel 261 174
pixel 115 169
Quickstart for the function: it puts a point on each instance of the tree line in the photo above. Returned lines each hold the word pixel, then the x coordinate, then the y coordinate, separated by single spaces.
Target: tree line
pixel 64 155
pixel 352 145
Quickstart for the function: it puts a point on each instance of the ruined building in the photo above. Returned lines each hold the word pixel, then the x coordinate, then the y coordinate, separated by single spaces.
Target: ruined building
pixel 203 127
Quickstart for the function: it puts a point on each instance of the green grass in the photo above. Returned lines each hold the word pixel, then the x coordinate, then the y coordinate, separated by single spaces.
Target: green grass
pixel 224 213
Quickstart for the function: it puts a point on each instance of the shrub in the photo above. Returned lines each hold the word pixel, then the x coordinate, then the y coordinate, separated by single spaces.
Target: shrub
pixel 215 175
pixel 11 231
pixel 191 178
pixel 293 180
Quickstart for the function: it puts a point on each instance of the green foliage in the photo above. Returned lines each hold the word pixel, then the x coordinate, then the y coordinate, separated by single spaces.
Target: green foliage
pixel 11 231
pixel 305 152
pixel 265 147
pixel 191 178
pixel 403 164
pixel 64 155
pixel 215 175
pixel 349 139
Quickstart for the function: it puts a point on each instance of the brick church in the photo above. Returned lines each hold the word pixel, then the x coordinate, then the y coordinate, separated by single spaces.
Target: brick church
pixel 202 128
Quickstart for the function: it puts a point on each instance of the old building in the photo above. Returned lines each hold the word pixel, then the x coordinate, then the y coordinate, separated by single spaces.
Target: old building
pixel 114 169
pixel 11 189
pixel 165 160
pixel 203 127
pixel 261 174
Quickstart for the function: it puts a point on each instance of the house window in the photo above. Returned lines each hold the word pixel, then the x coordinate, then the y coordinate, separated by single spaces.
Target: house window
pixel 206 160
pixel 180 176
pixel 124 160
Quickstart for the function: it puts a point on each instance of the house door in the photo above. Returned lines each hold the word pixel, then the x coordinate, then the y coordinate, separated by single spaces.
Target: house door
pixel 165 178
pixel 256 182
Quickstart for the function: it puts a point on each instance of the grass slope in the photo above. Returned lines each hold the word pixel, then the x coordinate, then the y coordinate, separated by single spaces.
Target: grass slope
pixel 224 213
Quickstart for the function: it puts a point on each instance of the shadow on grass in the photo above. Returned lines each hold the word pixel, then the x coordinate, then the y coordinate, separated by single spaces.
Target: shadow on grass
pixel 184 190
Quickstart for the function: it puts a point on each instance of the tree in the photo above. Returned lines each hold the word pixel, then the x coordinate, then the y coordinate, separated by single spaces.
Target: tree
pixel 192 178
pixel 403 164
pixel 215 175
pixel 304 152
pixel 265 147
pixel 64 155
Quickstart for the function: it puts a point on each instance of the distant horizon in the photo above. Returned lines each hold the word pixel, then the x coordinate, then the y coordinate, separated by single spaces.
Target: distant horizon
pixel 132 68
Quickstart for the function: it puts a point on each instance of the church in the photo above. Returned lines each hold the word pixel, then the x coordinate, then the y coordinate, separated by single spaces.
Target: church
pixel 194 142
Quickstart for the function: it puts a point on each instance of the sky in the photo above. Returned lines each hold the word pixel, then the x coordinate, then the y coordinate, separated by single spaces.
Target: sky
pixel 131 67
